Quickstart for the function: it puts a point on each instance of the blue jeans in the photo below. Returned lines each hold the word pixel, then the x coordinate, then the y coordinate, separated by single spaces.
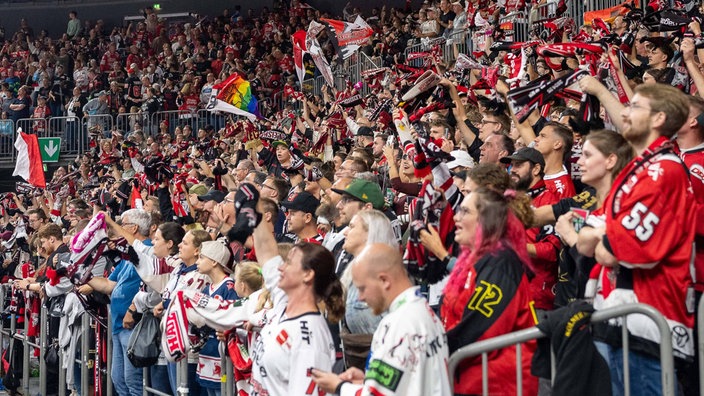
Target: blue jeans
pixel 213 392
pixel 126 378
pixel 159 377
pixel 645 377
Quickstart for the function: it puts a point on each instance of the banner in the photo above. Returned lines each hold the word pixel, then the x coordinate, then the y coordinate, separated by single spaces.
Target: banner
pixel 299 49
pixel 346 37
pixel 317 53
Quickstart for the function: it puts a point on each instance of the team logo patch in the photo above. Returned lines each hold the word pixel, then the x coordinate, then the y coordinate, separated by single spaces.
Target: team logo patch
pixel 282 337
pixel 384 374
pixel 697 171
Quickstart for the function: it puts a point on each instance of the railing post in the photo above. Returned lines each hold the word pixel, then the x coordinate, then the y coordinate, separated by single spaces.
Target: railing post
pixel 62 373
pixel 25 354
pixel 223 364
pixel 43 328
pixel 85 354
pixel 182 377
pixel 108 364
pixel 230 372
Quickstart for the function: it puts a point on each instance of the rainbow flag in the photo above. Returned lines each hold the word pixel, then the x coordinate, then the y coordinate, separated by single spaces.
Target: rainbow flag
pixel 234 95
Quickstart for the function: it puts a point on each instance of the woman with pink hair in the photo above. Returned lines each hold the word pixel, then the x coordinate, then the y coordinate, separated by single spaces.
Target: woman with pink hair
pixel 487 294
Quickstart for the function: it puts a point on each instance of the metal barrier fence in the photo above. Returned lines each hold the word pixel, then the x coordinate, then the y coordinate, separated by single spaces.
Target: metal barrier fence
pixel 87 356
pixel 516 338
pixel 575 9
pixel 459 42
pixel 126 121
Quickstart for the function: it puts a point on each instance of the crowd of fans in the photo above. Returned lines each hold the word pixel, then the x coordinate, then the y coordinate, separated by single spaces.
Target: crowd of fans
pixel 348 241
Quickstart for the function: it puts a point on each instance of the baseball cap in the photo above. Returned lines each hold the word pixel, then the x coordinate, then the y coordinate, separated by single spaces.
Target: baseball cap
pixel 279 143
pixel 525 154
pixel 365 131
pixel 303 201
pixel 198 189
pixel 461 158
pixel 218 252
pixel 365 191
pixel 212 195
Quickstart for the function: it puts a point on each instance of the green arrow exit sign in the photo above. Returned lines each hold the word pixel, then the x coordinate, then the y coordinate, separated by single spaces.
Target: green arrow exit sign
pixel 50 148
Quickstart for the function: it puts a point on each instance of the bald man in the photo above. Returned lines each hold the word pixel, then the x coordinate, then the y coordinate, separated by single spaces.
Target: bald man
pixel 409 348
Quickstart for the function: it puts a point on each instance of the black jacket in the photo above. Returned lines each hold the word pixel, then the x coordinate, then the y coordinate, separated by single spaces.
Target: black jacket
pixel 581 370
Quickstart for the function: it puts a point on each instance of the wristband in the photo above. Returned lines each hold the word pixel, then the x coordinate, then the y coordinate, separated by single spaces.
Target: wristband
pixel 339 387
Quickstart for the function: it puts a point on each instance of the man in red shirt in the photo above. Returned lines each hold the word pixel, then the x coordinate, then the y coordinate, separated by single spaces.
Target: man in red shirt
pixel 555 144
pixel 527 167
pixel 108 58
pixel 649 233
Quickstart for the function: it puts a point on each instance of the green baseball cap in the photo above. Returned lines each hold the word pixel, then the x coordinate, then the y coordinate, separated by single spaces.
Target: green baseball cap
pixel 279 143
pixel 364 191
pixel 198 189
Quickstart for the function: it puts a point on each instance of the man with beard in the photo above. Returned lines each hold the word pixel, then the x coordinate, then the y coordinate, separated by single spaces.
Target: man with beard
pixel 300 213
pixel 47 282
pixel 649 233
pixel 527 170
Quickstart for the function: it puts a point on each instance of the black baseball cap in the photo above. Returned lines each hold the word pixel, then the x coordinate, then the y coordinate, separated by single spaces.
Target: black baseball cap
pixel 525 154
pixel 212 195
pixel 365 131
pixel 303 201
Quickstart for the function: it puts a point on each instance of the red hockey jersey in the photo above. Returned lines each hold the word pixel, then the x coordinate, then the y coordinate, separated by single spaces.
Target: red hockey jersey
pixel 650 228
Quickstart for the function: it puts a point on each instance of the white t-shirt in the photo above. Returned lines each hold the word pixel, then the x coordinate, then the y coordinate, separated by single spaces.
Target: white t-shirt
pixel 287 348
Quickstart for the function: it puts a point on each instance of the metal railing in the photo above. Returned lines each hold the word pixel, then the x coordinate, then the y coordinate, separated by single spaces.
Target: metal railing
pixel 12 333
pixel 125 121
pixel 516 338
pixel 459 42
pixel 542 12
pixel 88 354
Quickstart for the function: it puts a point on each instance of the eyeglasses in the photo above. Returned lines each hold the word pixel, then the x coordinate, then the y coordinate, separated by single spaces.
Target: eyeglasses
pixel 635 106
pixel 267 186
pixel 482 122
pixel 127 224
pixel 462 212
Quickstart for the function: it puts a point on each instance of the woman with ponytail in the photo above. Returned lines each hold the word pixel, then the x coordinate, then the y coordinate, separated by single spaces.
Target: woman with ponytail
pixel 487 293
pixel 306 295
